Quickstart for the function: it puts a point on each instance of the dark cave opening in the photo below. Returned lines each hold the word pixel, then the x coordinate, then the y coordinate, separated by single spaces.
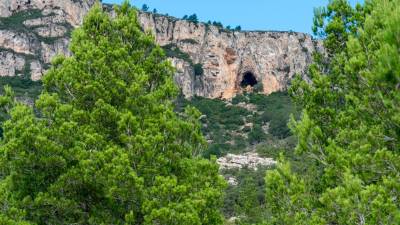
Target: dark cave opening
pixel 248 80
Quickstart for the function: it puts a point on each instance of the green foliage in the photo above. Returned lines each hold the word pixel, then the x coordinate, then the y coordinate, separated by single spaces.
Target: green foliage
pixel 103 144
pixel 258 88
pixel 145 8
pixel 238 28
pixel 192 18
pixel 173 51
pixel 349 128
pixel 22 87
pixel 190 41
pixel 247 199
pixel 219 123
pixel 257 134
pixel 198 69
pixel 276 109
pixel 16 20
pixel 286 195
pixel 229 127
pixel 218 24
pixel 336 22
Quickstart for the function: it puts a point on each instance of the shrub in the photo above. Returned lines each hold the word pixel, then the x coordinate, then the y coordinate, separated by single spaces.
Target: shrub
pixel 23 87
pixel 145 8
pixel 198 69
pixel 15 21
pixel 172 51
pixel 258 88
pixel 257 134
pixel 193 18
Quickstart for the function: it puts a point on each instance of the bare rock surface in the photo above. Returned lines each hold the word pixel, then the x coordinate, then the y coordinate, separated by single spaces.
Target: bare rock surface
pixel 10 64
pixel 231 61
pixel 249 160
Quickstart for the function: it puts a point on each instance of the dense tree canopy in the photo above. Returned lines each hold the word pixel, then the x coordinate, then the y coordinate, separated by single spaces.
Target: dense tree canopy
pixel 350 127
pixel 102 144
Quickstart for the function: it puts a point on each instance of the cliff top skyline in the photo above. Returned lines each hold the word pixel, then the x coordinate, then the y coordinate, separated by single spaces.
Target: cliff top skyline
pixel 283 15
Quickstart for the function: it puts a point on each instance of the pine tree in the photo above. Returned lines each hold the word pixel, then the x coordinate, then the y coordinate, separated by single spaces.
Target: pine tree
pixel 103 144
pixel 349 129
pixel 193 18
pixel 145 8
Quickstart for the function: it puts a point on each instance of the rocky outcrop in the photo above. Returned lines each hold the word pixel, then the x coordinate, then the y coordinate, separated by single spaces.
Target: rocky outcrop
pixel 72 11
pixel 32 32
pixel 210 61
pixel 10 64
pixel 249 160
pixel 227 57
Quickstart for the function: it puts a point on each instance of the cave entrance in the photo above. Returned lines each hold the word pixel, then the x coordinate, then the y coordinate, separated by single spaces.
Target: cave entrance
pixel 248 80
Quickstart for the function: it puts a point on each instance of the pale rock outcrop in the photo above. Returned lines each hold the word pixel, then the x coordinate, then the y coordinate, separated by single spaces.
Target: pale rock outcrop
pixel 249 160
pixel 232 181
pixel 44 33
pixel 59 47
pixel 74 10
pixel 36 70
pixel 10 64
pixel 17 42
pixel 57 18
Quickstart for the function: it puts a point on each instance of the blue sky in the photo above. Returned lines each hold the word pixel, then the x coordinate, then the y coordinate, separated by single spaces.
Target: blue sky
pixel 282 15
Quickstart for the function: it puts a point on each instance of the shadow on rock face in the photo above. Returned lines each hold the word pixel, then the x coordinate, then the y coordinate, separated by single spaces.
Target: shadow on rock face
pixel 248 80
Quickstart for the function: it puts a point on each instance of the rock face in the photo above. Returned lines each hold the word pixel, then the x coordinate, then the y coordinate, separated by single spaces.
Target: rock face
pixel 250 160
pixel 32 32
pixel 231 60
pixel 210 61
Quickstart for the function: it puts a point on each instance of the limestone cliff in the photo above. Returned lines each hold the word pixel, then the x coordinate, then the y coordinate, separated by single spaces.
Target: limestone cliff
pixel 211 62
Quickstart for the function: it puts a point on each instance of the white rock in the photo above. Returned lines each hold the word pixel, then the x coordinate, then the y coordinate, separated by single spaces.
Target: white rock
pixel 10 63
pixel 232 181
pixel 51 31
pixel 18 42
pixel 36 70
pixel 250 160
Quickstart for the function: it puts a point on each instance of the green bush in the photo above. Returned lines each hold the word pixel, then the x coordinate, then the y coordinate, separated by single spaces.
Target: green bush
pixel 258 88
pixel 239 98
pixel 224 123
pixel 276 109
pixel 198 69
pixel 172 51
pixel 23 87
pixel 190 41
pixel 256 135
pixel 246 200
pixel 16 20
